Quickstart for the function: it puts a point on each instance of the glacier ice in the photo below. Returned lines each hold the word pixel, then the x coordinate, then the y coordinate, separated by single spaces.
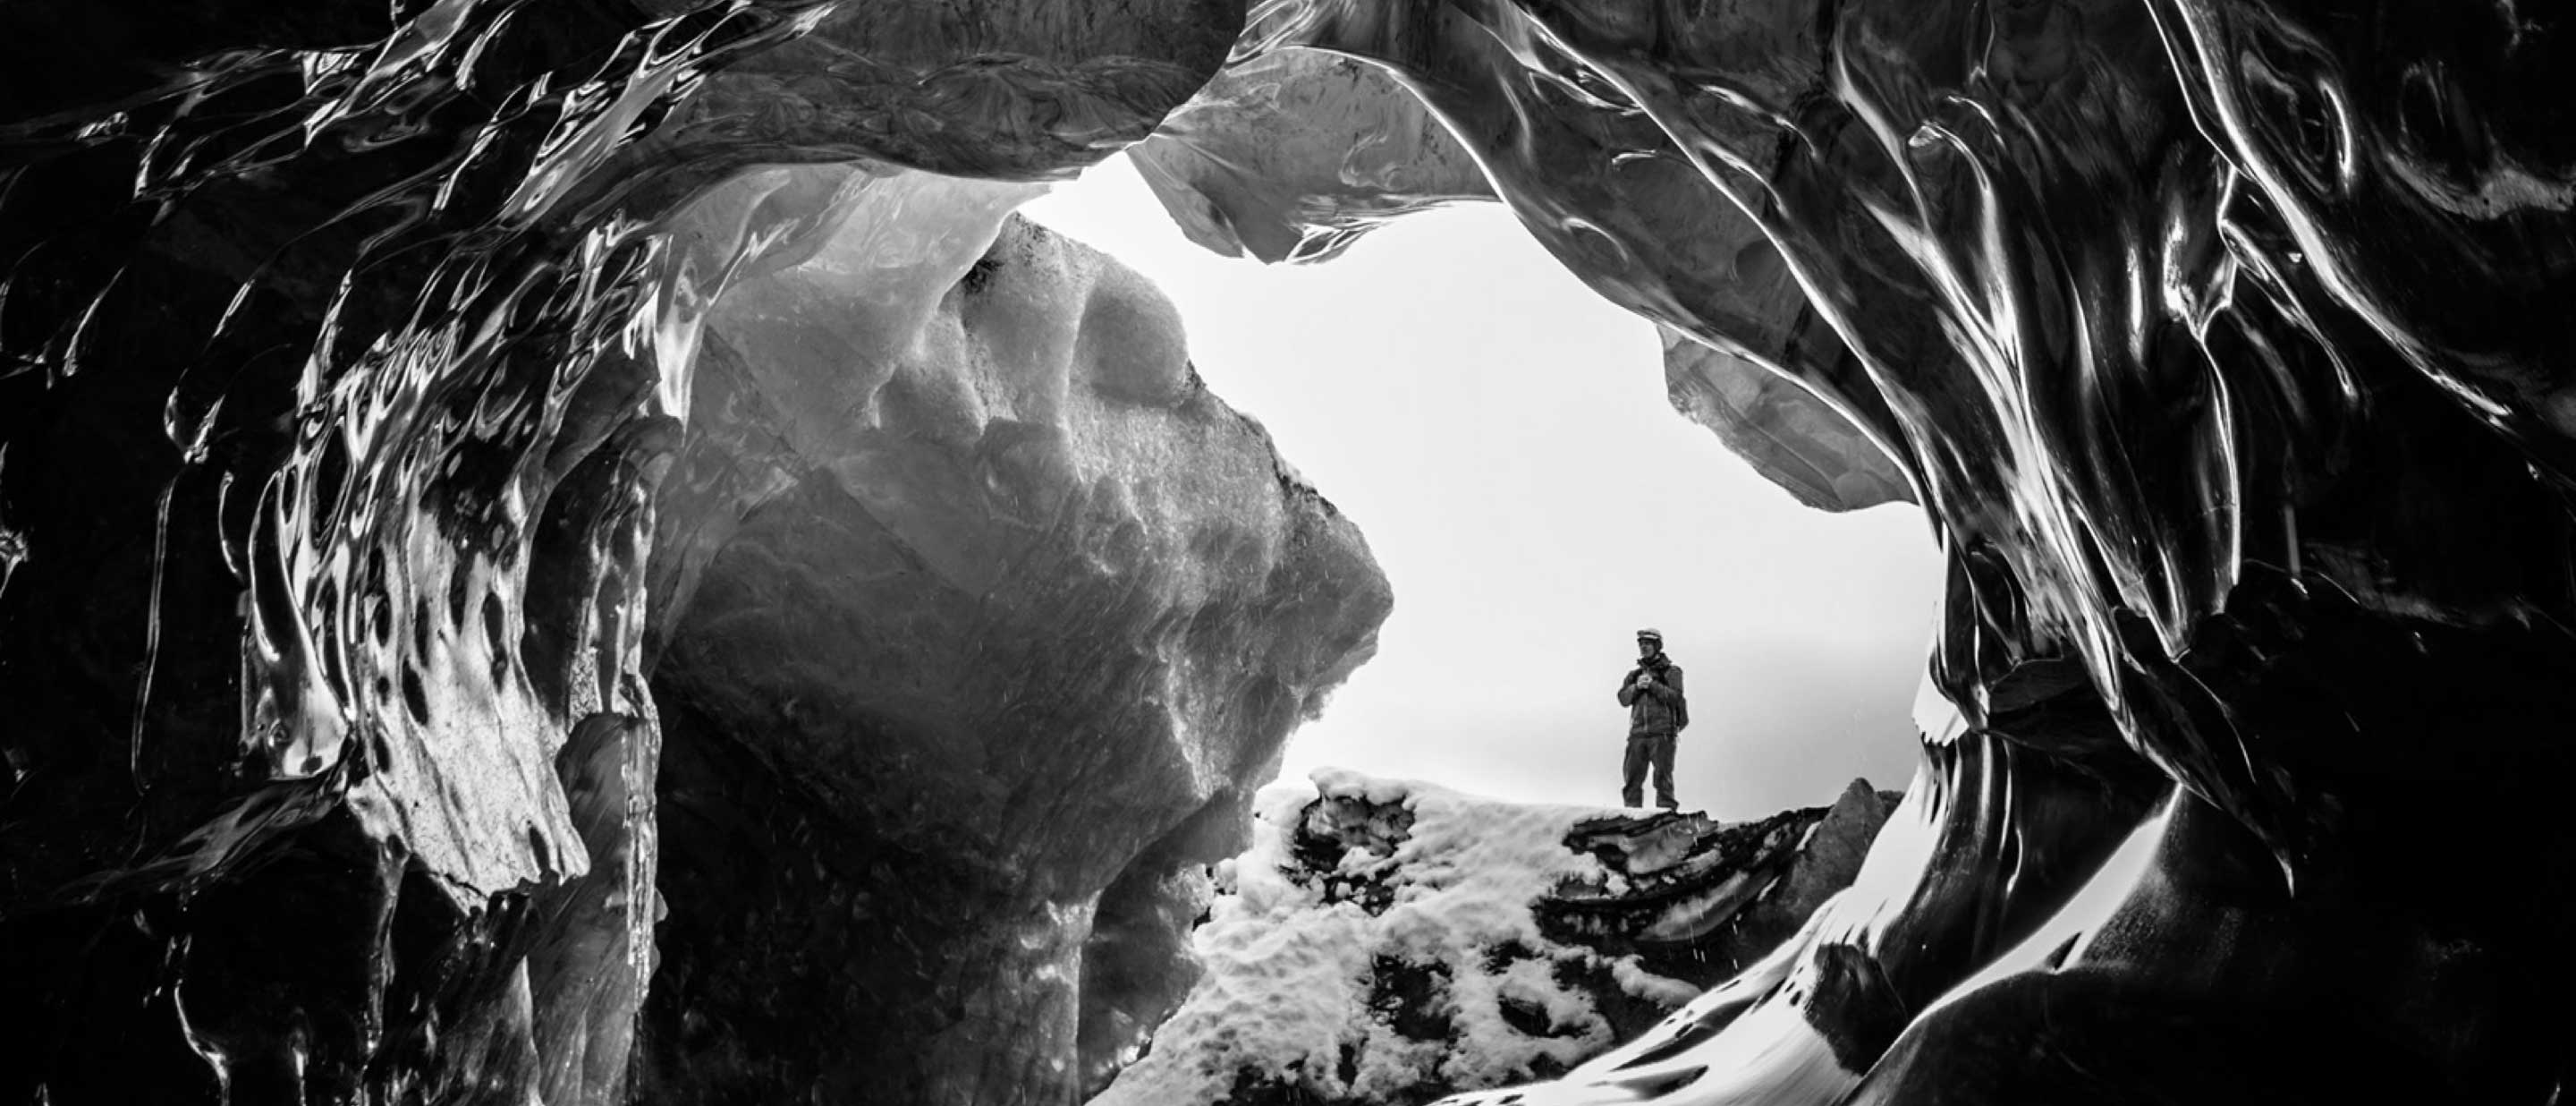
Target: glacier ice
pixel 977 615
pixel 411 460
pixel 348 355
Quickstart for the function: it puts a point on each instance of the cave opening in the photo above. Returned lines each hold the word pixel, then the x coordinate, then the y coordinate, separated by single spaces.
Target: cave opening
pixel 986 600
pixel 1504 439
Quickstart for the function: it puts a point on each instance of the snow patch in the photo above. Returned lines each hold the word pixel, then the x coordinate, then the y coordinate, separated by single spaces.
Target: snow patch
pixel 1296 985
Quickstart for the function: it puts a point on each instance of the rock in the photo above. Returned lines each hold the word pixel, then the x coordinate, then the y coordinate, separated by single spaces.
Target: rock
pixel 1699 901
pixel 1385 942
pixel 1827 861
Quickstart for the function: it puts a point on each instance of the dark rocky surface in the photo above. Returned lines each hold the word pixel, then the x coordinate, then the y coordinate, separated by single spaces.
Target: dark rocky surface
pixel 1697 901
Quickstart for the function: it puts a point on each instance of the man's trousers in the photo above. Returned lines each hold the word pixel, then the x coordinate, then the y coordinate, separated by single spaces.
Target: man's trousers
pixel 1643 752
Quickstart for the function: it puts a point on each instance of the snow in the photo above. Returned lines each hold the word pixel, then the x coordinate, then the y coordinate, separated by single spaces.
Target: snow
pixel 1289 976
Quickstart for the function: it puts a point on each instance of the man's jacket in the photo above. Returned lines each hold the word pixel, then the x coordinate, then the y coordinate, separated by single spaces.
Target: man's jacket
pixel 1657 710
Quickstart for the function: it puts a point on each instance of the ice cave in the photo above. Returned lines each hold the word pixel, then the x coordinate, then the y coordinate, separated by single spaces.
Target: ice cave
pixel 494 496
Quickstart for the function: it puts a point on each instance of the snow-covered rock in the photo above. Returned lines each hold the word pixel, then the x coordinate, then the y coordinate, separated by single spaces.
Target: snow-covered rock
pixel 1388 941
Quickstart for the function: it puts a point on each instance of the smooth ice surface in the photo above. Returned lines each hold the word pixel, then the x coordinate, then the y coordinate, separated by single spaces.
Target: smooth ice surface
pixel 2143 300
pixel 1292 155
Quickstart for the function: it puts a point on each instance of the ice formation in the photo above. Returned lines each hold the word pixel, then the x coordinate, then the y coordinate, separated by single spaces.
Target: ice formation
pixel 1292 155
pixel 347 353
pixel 976 607
pixel 2213 338
pixel 807 643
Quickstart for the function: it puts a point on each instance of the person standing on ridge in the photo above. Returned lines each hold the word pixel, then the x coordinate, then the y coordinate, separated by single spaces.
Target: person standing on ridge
pixel 1656 714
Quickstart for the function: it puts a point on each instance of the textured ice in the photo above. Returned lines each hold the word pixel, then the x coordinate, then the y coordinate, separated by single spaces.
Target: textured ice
pixel 1292 155
pixel 1787 434
pixel 469 567
pixel 345 350
pixel 974 605
pixel 2212 338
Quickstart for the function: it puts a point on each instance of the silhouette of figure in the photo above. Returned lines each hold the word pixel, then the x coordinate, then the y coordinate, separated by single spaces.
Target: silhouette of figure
pixel 1657 712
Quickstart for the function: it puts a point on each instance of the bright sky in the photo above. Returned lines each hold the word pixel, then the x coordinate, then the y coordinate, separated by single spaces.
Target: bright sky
pixel 1501 436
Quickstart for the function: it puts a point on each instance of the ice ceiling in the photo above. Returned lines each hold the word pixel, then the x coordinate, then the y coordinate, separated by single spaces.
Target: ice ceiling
pixel 467 466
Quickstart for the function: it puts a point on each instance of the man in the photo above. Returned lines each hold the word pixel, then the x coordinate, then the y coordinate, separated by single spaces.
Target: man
pixel 1656 714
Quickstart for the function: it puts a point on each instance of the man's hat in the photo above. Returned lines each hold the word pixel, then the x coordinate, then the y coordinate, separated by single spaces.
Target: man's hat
pixel 1650 632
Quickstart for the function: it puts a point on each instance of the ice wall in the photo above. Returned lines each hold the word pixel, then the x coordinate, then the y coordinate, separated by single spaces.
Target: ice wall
pixel 1293 154
pixel 977 618
pixel 345 354
pixel 2209 337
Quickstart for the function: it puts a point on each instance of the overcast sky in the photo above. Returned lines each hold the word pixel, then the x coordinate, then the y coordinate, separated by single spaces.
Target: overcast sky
pixel 1501 436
